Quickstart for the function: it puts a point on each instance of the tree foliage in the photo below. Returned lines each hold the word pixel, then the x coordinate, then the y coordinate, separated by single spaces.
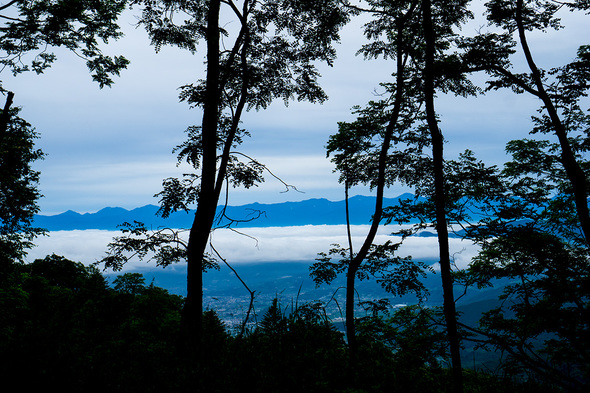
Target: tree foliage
pixel 535 227
pixel 257 52
pixel 63 326
pixel 420 36
pixel 18 188
pixel 531 235
pixel 559 89
pixel 29 30
pixel 397 275
pixel 270 55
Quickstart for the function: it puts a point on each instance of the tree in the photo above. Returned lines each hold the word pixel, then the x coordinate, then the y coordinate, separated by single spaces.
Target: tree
pixel 536 230
pixel 362 153
pixel 377 128
pixel 540 322
pixel 18 187
pixel 559 89
pixel 33 27
pixel 270 54
pixel 130 283
pixel 430 39
pixel 62 325
pixel 413 337
pixel 419 36
pixel 530 234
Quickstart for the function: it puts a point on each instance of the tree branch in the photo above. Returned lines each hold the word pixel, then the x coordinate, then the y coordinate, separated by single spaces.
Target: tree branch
pixel 5 6
pixel 252 293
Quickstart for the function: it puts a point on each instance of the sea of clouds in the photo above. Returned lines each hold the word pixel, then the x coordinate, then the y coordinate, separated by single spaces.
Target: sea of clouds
pixel 254 245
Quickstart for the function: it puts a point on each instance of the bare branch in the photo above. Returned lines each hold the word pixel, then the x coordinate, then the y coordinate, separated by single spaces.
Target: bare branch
pixel 252 293
pixel 287 186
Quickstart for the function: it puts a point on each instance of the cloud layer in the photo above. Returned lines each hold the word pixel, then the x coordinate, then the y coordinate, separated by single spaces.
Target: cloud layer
pixel 274 244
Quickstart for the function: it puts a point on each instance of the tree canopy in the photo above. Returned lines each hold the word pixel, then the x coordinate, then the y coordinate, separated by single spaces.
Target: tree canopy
pixel 30 29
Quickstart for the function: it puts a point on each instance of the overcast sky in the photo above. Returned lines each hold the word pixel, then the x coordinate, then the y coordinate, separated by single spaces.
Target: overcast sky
pixel 113 147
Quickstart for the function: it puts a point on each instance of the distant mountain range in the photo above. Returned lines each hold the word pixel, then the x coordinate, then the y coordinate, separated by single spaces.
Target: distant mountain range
pixel 308 212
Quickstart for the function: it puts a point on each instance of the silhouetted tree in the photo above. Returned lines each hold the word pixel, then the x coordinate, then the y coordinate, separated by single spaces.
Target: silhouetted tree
pixel 270 54
pixel 530 235
pixel 559 89
pixel 63 327
pixel 29 29
pixel 419 36
pixel 363 147
pixel 430 40
pixel 536 227
pixel 18 186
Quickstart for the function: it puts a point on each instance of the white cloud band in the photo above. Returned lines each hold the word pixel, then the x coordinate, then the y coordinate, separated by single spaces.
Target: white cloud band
pixel 273 244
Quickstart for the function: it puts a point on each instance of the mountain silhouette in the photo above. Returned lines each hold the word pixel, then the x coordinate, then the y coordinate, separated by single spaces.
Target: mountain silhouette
pixel 307 212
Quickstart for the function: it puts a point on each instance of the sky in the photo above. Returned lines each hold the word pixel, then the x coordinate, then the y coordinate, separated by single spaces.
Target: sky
pixel 113 147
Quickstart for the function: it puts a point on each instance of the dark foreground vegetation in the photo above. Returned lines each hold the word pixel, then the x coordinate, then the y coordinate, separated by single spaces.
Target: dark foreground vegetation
pixel 62 326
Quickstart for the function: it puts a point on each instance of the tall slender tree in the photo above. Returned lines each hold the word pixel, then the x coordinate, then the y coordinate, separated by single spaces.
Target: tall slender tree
pixel 269 54
pixel 559 89
pixel 440 195
pixel 375 131
pixel 419 37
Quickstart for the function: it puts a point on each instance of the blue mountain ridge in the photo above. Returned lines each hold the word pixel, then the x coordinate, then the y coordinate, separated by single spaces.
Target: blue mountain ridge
pixel 307 212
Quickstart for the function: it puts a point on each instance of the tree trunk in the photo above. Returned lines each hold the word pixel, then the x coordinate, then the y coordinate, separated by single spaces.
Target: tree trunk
pixel 207 203
pixel 573 170
pixel 355 262
pixel 439 199
pixel 5 117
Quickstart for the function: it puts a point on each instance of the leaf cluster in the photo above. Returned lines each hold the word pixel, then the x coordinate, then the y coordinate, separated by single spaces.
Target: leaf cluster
pixel 397 275
pixel 356 146
pixel 165 246
pixel 271 54
pixel 35 26
pixel 536 14
pixel 472 191
pixel 412 333
pixel 540 322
